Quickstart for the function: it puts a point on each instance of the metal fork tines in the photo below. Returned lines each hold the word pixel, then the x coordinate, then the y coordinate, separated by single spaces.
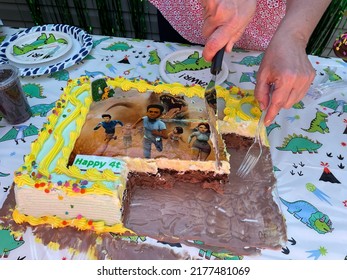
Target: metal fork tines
pixel 253 154
pixel 256 149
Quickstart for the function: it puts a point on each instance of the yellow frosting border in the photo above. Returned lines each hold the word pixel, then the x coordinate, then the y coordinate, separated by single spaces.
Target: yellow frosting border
pixel 80 224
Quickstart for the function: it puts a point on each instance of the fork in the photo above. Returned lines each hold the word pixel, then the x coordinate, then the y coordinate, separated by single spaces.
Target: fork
pixel 256 149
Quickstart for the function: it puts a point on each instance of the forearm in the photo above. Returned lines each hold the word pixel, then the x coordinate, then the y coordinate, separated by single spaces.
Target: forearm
pixel 161 133
pixel 137 122
pixel 301 18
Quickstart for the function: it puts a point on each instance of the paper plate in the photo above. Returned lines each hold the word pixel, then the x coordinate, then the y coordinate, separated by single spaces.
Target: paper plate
pixel 81 45
pixel 39 47
pixel 188 67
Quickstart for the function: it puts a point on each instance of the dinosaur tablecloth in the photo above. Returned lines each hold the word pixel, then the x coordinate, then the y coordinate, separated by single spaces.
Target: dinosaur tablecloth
pixel 308 147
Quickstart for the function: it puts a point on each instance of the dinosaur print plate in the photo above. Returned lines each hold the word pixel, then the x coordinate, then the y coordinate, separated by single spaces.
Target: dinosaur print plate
pixel 39 47
pixel 188 67
pixel 80 43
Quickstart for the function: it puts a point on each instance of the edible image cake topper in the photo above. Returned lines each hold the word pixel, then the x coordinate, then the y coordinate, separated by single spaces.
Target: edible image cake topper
pixel 148 125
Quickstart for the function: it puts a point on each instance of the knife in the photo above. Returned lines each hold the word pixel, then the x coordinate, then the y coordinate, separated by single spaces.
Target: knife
pixel 211 103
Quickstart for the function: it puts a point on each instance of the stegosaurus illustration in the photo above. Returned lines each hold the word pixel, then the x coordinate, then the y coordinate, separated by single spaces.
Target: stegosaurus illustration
pixel 32 90
pixel 251 60
pixel 118 46
pixel 298 144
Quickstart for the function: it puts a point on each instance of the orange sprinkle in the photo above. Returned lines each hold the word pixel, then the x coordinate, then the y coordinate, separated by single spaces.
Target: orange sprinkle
pixel 47 190
pixel 90 222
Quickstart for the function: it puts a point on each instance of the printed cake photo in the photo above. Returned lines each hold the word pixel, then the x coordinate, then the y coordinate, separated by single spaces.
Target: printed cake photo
pixel 135 159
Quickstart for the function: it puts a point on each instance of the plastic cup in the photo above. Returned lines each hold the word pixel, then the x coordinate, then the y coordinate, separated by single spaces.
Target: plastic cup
pixel 14 105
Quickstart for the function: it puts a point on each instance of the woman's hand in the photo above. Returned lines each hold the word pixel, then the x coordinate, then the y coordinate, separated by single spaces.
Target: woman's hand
pixel 285 64
pixel 224 23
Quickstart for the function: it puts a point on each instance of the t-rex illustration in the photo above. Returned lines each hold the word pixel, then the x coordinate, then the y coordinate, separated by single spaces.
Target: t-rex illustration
pixel 319 123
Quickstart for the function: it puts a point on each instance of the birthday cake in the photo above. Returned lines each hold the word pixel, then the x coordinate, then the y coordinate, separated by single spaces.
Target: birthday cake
pixel 130 157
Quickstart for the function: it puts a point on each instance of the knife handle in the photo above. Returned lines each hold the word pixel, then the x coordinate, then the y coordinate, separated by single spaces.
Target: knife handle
pixel 217 61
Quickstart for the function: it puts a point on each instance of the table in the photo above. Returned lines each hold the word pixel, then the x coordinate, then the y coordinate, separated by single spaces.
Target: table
pixel 311 182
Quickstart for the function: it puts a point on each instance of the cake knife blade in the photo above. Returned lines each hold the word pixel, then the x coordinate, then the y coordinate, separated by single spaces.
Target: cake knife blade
pixel 211 103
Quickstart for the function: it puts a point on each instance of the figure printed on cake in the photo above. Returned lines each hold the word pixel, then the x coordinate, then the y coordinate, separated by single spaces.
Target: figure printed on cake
pixel 110 127
pixel 154 129
pixel 200 148
pixel 127 135
pixel 179 115
pixel 175 107
pixel 174 138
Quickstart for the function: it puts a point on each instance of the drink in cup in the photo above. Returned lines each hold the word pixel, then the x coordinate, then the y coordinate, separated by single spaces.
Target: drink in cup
pixel 14 106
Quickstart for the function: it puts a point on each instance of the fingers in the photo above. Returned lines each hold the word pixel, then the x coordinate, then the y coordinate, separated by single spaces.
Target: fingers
pixel 275 106
pixel 283 97
pixel 216 42
pixel 224 23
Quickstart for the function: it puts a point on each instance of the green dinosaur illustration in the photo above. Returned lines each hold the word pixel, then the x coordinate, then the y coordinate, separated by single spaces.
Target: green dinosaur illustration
pixel 338 105
pixel 251 60
pixel 192 62
pixel 299 105
pixel 153 58
pixel 8 243
pixel 218 255
pixel 132 238
pixel 62 75
pixel 271 127
pixel 2 38
pixel 333 77
pixel 33 90
pixel 224 255
pixel 136 40
pixel 100 90
pixel 298 144
pixel 99 41
pixel 37 44
pixel 319 123
pixel 4 174
pixel 248 77
pixel 42 109
pixel 20 132
pixel 118 46
pixel 309 215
